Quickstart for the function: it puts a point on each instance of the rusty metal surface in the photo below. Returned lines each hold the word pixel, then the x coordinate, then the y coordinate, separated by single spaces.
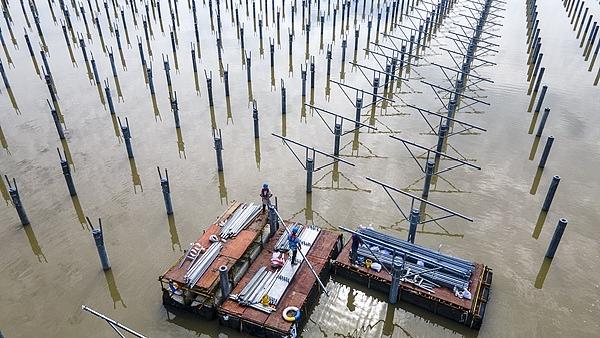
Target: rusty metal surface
pixel 233 249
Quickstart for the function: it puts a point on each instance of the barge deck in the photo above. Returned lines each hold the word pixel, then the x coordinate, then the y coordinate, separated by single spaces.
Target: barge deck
pixel 237 254
pixel 302 292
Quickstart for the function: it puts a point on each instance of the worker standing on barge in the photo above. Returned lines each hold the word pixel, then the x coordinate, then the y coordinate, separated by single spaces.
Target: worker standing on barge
pixel 356 242
pixel 266 195
pixel 294 243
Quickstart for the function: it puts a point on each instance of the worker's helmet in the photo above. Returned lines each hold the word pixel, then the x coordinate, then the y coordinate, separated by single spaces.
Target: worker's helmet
pixel 295 230
pixel 265 185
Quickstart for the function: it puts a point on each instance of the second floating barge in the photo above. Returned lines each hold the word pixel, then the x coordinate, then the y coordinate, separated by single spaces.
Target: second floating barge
pixel 442 301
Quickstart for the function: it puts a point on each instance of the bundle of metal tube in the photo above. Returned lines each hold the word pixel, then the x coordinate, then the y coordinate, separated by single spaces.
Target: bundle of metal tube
pixel 201 263
pixel 239 220
pixel 257 287
pixel 288 271
pixel 245 293
pixel 440 257
pixel 413 253
pixel 275 283
pixel 438 276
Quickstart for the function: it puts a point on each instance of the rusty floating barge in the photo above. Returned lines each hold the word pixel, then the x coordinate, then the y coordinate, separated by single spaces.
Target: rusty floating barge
pixel 240 258
pixel 242 286
pixel 426 286
pixel 236 255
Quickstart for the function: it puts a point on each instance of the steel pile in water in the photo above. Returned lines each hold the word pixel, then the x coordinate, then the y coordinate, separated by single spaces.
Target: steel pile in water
pixel 201 263
pixel 239 220
pixel 275 283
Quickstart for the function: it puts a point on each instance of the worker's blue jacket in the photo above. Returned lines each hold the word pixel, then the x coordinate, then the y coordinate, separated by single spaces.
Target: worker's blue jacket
pixel 293 242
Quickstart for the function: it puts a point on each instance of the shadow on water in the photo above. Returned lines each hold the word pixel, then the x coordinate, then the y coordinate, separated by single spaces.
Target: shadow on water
pixel 79 212
pixel 173 232
pixel 35 246
pixel 257 152
pixel 338 180
pixel 180 143
pixel 5 193
pixel 534 146
pixel 536 181
pixel 541 276
pixel 135 176
pixel 309 215
pixel 67 152
pixel 539 224
pixel 222 188
pixel 3 141
pixel 229 114
pixel 113 289
pixel 116 128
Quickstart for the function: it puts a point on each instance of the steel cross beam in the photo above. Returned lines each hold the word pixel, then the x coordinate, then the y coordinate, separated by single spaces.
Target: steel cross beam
pixel 340 84
pixel 471 28
pixel 412 29
pixel 475 11
pixel 410 17
pixel 429 3
pixel 460 72
pixel 444 117
pixel 397 50
pixel 310 159
pixel 454 92
pixel 477 19
pixel 376 70
pixel 428 11
pixel 478 40
pixel 466 43
pixel 390 57
pixel 420 10
pixel 414 198
pixel 341 118
pixel 113 323
pixel 406 143
pixel 398 38
pixel 483 3
pixel 479 11
pixel 461 54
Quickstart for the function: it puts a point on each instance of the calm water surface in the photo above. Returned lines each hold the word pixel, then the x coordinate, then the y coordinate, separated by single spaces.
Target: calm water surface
pixel 50 268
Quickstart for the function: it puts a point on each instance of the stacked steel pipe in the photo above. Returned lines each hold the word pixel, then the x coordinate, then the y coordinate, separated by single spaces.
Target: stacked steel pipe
pixel 439 269
pixel 201 263
pixel 275 283
pixel 239 220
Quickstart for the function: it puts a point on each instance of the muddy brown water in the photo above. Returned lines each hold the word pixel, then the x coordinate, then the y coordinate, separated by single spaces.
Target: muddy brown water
pixel 50 268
